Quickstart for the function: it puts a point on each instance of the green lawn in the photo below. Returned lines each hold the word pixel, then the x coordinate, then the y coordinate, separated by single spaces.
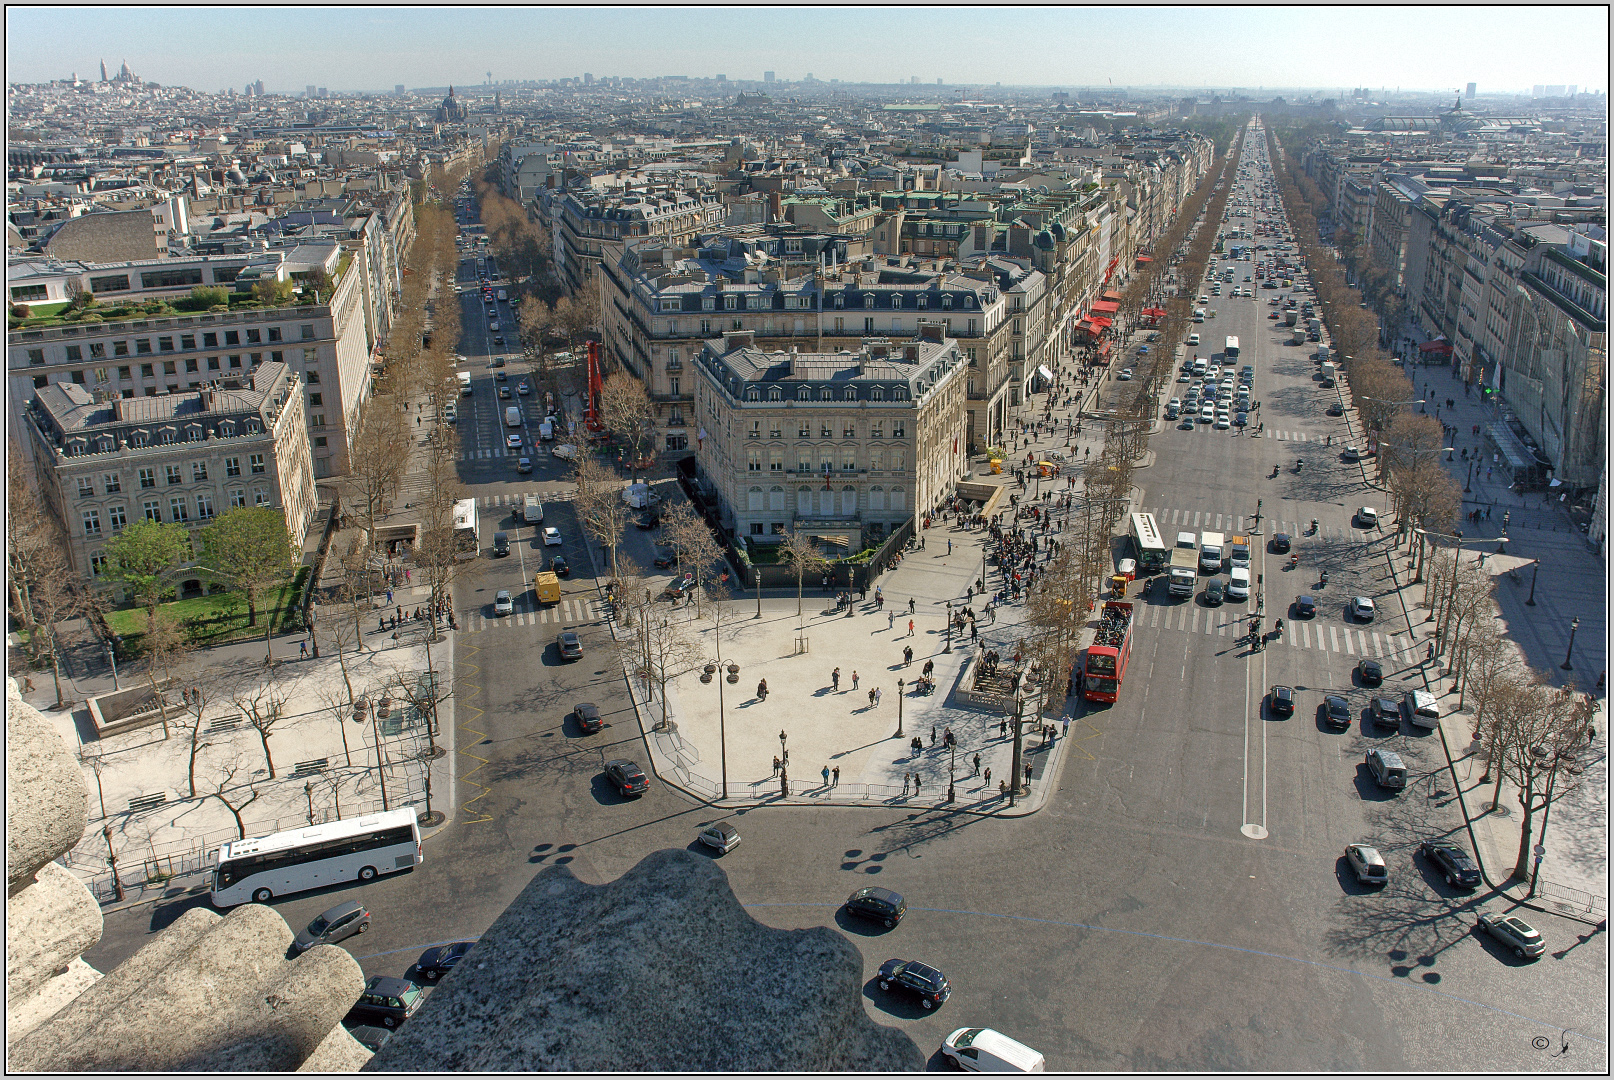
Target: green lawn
pixel 210 620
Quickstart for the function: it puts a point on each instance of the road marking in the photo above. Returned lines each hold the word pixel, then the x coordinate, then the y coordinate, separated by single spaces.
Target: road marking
pixel 1305 630
pixel 1196 619
pixel 1333 639
pixel 1348 643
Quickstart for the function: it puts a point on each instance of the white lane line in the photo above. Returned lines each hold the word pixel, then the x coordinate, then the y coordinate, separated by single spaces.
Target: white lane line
pixel 1305 630
pixel 1378 645
pixel 1196 620
pixel 1333 638
pixel 1348 647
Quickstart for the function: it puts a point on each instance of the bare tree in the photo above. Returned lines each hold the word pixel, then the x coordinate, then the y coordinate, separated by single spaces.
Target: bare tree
pixel 628 411
pixel 668 653
pixel 93 757
pixel 222 787
pixel 378 456
pixel 692 541
pixel 263 706
pixel 599 504
pixel 164 643
pixel 804 558
pixel 194 708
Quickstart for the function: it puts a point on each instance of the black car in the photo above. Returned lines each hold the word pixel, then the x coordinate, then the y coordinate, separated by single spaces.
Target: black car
pixel 1215 592
pixel 369 1037
pixel 1371 672
pixel 648 519
pixel 588 716
pixel 570 645
pixel 558 565
pixel 1336 409
pixel 877 904
pixel 628 777
pixel 1337 710
pixel 679 586
pixel 1283 700
pixel 1385 711
pixel 921 980
pixel 1305 607
pixel 387 1000
pixel 1280 543
pixel 665 558
pixel 1454 862
pixel 439 960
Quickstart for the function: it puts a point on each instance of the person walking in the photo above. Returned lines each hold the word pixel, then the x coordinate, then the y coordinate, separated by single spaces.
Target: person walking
pixel 910 628
pixel 977 771
pixel 826 775
pixel 835 775
pixel 907 655
pixel 910 605
pixel 907 778
pixel 949 547
pixel 1066 723
pixel 877 697
pixel 854 678
pixel 916 783
pixel 1003 728
pixel 890 620
pixel 835 680
pixel 389 595
pixel 932 734
pixel 302 649
pixel 871 697
pixel 987 777
pixel 1028 774
pixel 776 764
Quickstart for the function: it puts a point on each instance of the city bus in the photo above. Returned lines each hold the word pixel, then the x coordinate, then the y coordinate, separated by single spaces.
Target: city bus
pixel 1103 666
pixel 355 849
pixel 1148 547
pixel 1230 349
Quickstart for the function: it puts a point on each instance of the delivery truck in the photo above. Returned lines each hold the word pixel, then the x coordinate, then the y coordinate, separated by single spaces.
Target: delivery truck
pixel 1184 558
pixel 547 587
pixel 1210 551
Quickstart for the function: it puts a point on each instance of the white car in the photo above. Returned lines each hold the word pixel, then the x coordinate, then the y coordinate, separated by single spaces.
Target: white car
pixel 1352 454
pixel 980 1049
pixel 1126 375
pixel 1223 422
pixel 1362 608
pixel 512 442
pixel 1238 583
pixel 1207 415
pixel 551 537
pixel 1193 339
pixel 502 604
pixel 1368 516
pixel 721 837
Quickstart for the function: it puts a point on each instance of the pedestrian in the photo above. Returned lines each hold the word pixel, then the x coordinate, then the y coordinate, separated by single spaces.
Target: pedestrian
pixel 1003 729
pixel 1431 654
pixel 890 619
pixel 1487 511
pixel 836 774
pixel 826 775
pixel 776 764
pixel 389 596
pixel 907 655
pixel 1028 774
pixel 977 771
pixel 302 649
pixel 835 679
pixel 1066 731
pixel 876 697
pixel 406 577
pixel 910 628
pixel 916 783
pixel 1003 789
pixel 907 778
pixel 871 697
pixel 949 547
pixel 400 611
pixel 854 678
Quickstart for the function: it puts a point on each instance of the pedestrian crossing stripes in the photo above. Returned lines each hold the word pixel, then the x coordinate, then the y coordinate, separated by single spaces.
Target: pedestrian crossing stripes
pixel 564 613
pixel 1242 523
pixel 1298 634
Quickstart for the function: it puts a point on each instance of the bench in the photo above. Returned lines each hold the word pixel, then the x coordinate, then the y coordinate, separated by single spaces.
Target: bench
pixel 141 803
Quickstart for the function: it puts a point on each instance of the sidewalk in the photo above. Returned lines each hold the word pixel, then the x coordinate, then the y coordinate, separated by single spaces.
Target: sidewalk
pixel 826 727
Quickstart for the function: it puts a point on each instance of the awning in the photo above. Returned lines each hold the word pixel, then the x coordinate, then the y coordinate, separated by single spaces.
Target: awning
pixel 1109 294
pixel 1145 258
pixel 1434 347
pixel 1154 312
pixel 1042 369
pixel 1101 322
pixel 1104 349
pixel 1106 307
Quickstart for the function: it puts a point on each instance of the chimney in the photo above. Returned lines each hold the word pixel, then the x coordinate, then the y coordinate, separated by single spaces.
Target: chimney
pixel 739 339
pixel 773 207
pixel 910 353
pixel 930 332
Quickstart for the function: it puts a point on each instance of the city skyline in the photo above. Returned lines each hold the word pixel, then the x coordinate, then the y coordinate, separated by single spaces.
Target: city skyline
pixel 1253 50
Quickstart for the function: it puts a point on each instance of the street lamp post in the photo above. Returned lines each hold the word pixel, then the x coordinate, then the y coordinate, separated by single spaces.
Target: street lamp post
pixel 952 764
pixel 1014 768
pixel 900 685
pixel 948 649
pixel 1533 575
pixel 1573 626
pixel 782 750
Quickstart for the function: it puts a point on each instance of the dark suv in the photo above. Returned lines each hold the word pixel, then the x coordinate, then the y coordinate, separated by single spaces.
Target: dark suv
pixel 387 1001
pixel 880 905
pixel 588 716
pixel 627 776
pixel 1460 870
pixel 924 982
pixel 1305 607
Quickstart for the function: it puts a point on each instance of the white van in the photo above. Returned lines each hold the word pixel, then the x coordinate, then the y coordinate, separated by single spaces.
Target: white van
pixel 546 430
pixel 1199 314
pixel 1421 709
pixel 985 1050
pixel 512 416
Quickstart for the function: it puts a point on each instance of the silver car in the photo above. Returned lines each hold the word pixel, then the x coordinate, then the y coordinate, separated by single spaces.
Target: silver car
pixel 1367 864
pixel 1514 932
pixel 502 604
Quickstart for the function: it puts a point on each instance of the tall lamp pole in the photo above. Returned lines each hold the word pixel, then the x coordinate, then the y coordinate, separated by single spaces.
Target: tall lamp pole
pixel 1573 626
pixel 1014 768
pixel 899 708
pixel 1533 575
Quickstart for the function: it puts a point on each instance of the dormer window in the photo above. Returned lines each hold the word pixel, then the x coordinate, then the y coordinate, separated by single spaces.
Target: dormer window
pixel 730 302
pixel 947 302
pixel 669 303
pixel 868 300
pixel 803 394
pixel 826 394
pixel 922 300
pixel 877 393
pixel 194 433
pixel 969 301
pixel 708 303
pixel 753 394
pixel 226 428
pixel 840 301
pixel 774 394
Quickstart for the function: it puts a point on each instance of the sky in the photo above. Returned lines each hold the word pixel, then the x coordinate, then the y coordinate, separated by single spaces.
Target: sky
pixel 1503 49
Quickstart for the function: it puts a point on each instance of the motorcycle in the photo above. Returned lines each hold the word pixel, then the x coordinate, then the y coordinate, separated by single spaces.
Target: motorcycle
pixel 1300 463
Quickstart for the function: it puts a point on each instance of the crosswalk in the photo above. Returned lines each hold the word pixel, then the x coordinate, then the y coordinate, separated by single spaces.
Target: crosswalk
pixel 1298 634
pixel 1242 523
pixel 567 612
pixel 492 502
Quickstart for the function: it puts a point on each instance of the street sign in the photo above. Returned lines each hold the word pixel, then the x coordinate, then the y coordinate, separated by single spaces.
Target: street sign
pixel 1541 850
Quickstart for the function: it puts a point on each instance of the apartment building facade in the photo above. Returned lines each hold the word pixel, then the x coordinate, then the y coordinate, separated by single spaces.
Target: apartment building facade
pixel 327 345
pixel 584 222
pixel 103 461
pixel 844 446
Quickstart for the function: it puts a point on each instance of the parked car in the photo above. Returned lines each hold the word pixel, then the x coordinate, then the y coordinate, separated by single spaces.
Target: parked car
pixel 370 1037
pixel 588 716
pixel 1514 932
pixel 720 836
pixel 878 904
pixel 1387 768
pixel 552 537
pixel 922 981
pixel 665 557
pixel 1385 711
pixel 1282 700
pixel 439 960
pixel 1352 453
pixel 1367 864
pixel 342 921
pixel 570 645
pixel 1125 375
pixel 679 586
pixel 386 1000
pixel 1459 868
pixel 627 776
pixel 1369 672
pixel 1335 409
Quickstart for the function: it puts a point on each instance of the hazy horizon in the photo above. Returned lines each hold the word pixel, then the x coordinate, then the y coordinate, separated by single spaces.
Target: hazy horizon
pixel 1265 50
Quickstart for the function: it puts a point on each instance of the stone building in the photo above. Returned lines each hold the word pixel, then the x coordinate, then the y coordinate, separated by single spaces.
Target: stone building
pixel 844 446
pixel 103 461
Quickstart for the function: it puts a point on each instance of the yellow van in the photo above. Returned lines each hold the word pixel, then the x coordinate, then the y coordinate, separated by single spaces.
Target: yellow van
pixel 547 586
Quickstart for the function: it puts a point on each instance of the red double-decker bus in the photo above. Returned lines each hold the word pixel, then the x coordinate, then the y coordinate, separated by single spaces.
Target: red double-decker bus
pixel 1104 665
